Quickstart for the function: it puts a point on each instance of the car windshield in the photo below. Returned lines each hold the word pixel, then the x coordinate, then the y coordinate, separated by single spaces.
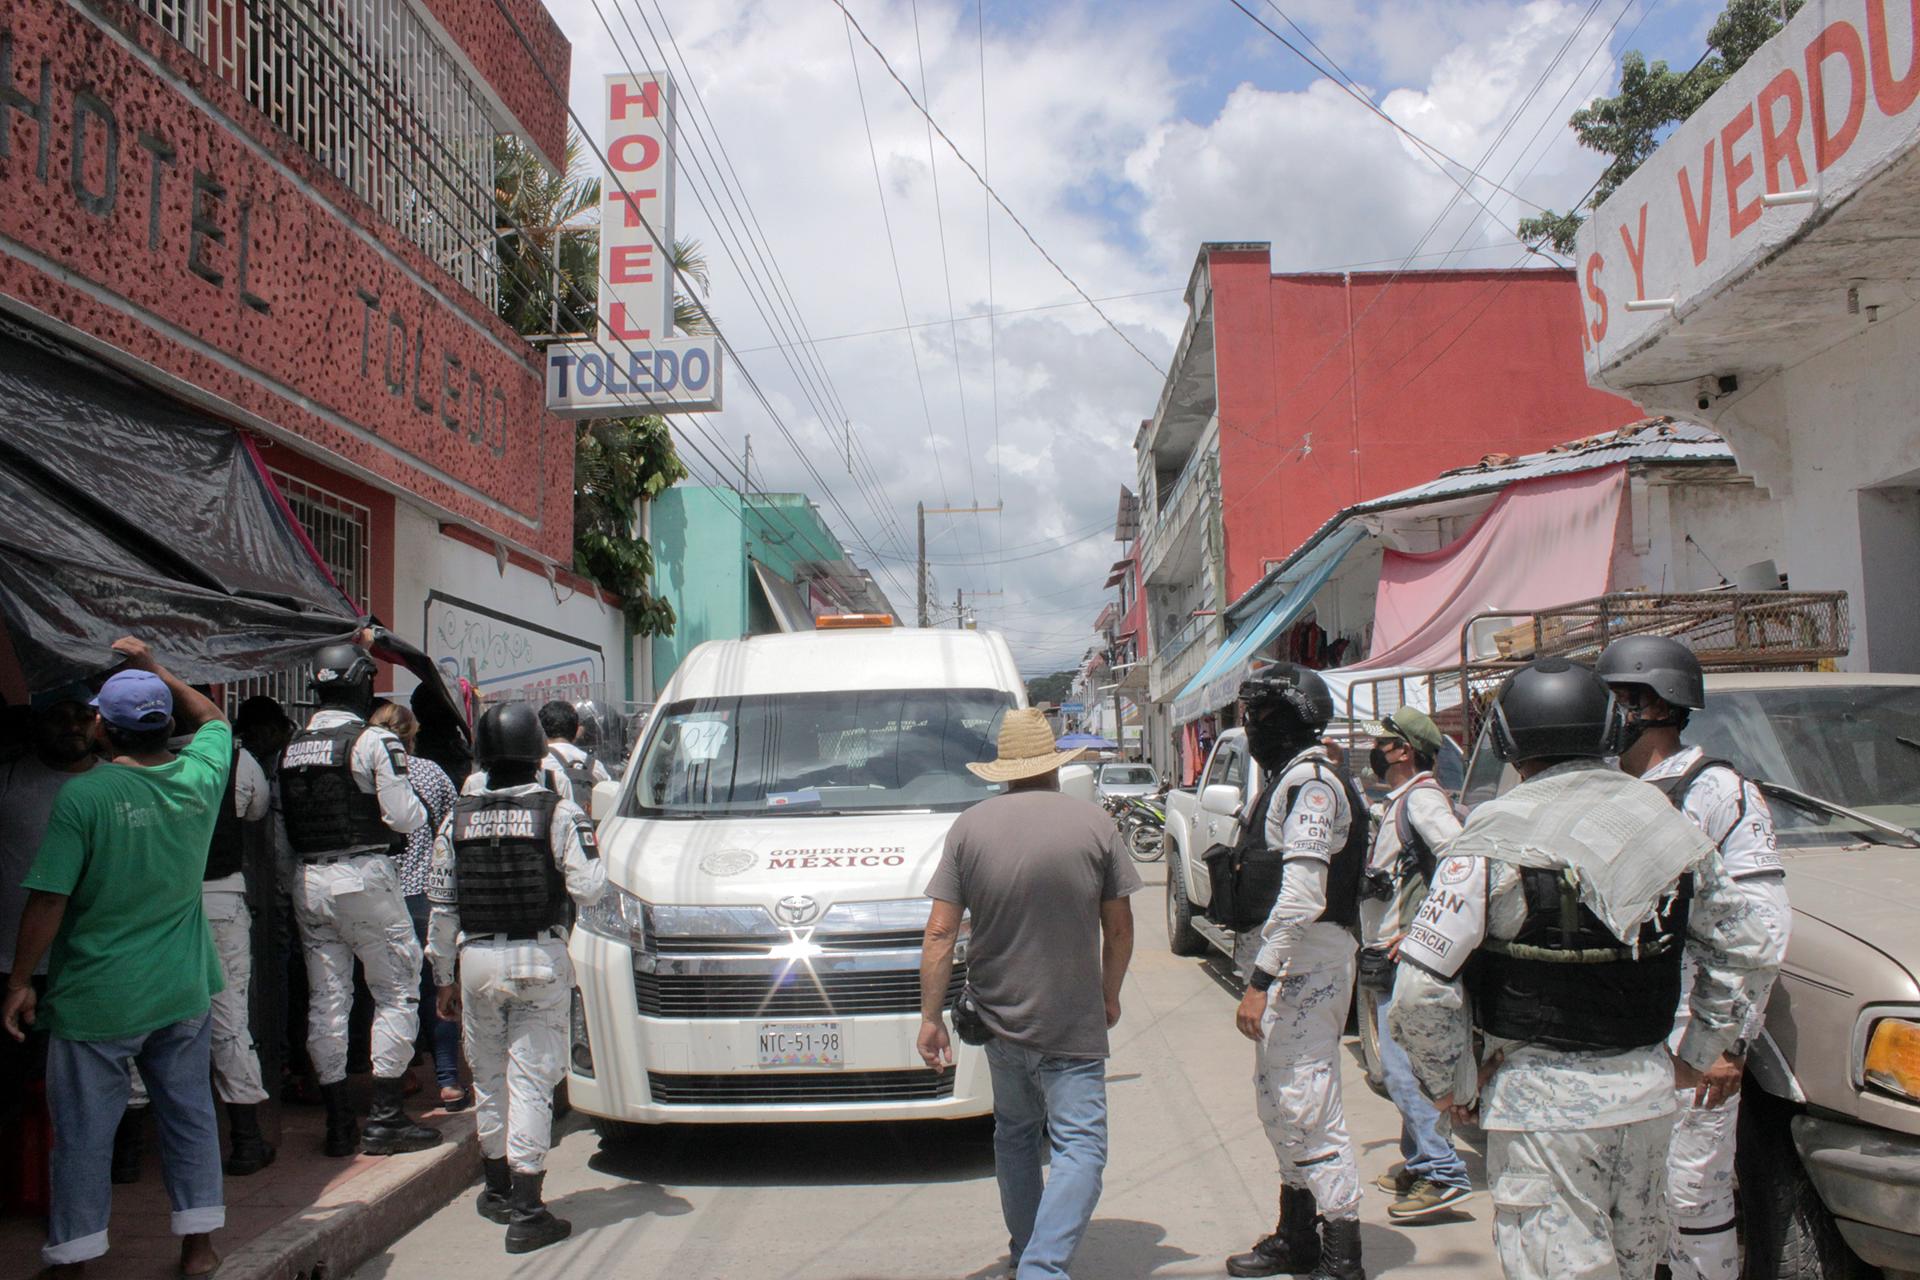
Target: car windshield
pixel 1854 745
pixel 829 752
pixel 1127 775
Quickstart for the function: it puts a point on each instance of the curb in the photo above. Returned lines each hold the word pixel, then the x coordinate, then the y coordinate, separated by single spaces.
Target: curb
pixel 345 1228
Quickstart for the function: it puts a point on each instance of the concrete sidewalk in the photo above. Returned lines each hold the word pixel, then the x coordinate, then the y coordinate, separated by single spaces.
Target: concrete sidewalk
pixel 305 1217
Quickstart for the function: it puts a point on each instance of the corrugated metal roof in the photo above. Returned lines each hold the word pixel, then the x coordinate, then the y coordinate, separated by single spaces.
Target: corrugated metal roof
pixel 1656 440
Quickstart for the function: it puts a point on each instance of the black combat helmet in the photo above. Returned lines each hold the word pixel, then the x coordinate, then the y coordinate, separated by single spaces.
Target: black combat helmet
pixel 343 675
pixel 1661 663
pixel 1553 708
pixel 1289 685
pixel 509 734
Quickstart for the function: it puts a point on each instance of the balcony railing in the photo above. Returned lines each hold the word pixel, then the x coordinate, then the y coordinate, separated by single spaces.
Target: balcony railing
pixel 1186 496
pixel 368 90
pixel 1180 655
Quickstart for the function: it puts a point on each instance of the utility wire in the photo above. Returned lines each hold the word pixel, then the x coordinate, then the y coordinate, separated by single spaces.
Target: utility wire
pixel 1085 297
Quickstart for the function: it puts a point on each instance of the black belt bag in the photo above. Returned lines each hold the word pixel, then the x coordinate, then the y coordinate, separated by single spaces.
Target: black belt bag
pixel 1376 969
pixel 1244 886
pixel 967 1022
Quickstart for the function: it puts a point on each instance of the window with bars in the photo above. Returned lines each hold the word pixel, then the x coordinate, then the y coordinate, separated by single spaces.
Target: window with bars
pixel 367 89
pixel 341 531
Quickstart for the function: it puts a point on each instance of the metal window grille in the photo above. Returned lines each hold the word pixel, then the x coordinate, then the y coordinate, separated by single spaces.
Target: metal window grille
pixel 342 532
pixel 366 88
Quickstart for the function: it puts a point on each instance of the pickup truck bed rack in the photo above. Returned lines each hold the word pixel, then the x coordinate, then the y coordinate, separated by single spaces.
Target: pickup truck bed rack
pixel 1727 630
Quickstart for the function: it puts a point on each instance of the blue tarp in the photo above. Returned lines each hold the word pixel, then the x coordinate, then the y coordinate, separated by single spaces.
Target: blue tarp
pixel 1216 683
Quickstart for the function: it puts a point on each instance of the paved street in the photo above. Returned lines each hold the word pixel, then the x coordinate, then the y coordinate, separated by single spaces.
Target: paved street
pixel 1190 1180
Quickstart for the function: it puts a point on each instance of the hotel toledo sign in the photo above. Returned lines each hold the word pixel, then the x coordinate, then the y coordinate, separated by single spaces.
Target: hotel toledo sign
pixel 635 362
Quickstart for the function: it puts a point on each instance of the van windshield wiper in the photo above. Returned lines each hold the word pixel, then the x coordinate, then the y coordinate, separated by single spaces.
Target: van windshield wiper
pixel 1816 804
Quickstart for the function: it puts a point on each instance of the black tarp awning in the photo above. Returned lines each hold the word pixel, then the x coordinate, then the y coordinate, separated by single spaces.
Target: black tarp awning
pixel 127 513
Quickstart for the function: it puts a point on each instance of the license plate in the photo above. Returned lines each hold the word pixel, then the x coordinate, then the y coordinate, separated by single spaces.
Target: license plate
pixel 802 1044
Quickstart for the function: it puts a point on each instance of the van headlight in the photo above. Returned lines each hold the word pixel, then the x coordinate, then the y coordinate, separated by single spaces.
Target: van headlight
pixel 617 916
pixel 1893 1057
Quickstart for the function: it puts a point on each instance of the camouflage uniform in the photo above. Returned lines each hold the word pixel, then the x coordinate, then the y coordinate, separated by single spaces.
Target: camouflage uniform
pixel 1731 812
pixel 1576 1141
pixel 1296 1077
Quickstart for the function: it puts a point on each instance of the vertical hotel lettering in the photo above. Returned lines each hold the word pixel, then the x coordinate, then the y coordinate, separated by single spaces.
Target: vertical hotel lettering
pixel 636 277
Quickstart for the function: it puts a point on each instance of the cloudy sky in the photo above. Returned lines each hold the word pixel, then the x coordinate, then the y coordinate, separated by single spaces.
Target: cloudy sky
pixel 1122 133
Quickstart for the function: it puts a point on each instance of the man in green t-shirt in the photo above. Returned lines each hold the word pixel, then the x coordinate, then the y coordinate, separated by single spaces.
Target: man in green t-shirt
pixel 115 893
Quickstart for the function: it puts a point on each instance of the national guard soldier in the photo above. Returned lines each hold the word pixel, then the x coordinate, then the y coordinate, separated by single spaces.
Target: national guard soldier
pixel 508 865
pixel 1660 682
pixel 561 723
pixel 347 806
pixel 1556 926
pixel 1300 967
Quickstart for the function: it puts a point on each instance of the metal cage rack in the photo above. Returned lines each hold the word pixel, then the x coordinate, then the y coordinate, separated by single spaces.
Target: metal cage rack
pixel 1727 631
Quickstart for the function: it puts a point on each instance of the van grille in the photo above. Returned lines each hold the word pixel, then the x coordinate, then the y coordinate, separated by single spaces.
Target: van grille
pixel 789 995
pixel 760 944
pixel 774 1087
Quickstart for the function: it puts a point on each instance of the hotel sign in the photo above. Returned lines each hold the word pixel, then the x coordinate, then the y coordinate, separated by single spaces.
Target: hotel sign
pixel 635 363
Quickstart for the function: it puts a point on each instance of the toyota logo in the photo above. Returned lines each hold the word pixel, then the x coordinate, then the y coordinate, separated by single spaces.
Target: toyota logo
pixel 796 910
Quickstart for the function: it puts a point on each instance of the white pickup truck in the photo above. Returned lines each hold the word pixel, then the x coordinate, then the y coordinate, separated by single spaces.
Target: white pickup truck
pixel 1197 820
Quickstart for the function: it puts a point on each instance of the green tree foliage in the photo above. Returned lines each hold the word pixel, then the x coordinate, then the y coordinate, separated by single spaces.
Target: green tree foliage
pixel 548 242
pixel 1050 688
pixel 1653 98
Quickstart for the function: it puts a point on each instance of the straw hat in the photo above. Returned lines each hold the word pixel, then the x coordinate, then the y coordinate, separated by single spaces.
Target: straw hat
pixel 1025 749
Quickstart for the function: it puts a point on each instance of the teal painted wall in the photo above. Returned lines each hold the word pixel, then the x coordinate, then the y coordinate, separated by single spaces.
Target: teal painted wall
pixel 703 539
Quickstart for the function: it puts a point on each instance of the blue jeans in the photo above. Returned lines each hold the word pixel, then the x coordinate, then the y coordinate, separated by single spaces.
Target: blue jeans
pixel 1066 1100
pixel 87 1094
pixel 443 1036
pixel 1428 1152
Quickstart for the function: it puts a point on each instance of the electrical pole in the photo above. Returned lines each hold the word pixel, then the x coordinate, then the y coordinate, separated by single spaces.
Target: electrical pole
pixel 924 512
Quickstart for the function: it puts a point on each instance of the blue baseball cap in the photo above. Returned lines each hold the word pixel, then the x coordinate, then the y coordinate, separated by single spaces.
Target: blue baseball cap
pixel 135 700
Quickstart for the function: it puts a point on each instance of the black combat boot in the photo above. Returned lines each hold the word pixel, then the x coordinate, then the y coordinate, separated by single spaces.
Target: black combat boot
pixel 1294 1246
pixel 1339 1251
pixel 251 1151
pixel 389 1130
pixel 129 1146
pixel 343 1135
pixel 533 1226
pixel 495 1203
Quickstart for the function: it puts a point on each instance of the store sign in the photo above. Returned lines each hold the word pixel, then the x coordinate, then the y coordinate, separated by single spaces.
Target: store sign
pixel 505 657
pixel 636 364
pixel 1817 112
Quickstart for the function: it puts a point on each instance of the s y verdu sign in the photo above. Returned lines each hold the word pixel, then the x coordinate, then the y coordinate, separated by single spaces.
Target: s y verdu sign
pixel 635 363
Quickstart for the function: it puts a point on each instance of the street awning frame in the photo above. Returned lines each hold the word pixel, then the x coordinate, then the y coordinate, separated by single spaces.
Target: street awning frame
pixel 1218 680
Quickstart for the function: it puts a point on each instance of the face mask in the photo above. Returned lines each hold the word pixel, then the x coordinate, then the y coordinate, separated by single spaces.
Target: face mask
pixel 1377 761
pixel 1275 739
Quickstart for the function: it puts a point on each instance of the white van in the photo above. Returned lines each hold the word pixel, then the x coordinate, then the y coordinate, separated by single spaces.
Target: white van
pixel 756 956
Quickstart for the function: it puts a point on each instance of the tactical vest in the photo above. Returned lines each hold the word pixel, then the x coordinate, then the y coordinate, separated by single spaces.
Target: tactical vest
pixel 504 877
pixel 1677 787
pixel 1565 982
pixel 326 812
pixel 225 850
pixel 1247 879
pixel 579 776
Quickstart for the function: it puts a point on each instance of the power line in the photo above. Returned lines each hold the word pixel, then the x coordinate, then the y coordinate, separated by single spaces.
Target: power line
pixel 981 179
pixel 745 372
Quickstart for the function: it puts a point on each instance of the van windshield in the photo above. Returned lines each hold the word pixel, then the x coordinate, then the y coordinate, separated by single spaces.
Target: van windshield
pixel 810 753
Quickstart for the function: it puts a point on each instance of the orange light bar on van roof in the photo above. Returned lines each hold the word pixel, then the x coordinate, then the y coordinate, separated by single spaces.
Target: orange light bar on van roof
pixel 849 621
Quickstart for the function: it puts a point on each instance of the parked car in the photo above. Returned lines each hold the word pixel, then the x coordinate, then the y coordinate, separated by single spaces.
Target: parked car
pixel 1112 780
pixel 1828 1161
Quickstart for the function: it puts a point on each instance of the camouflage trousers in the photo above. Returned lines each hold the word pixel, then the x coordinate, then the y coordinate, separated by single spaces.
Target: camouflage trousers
pixel 1580 1204
pixel 1704 1244
pixel 1296 1084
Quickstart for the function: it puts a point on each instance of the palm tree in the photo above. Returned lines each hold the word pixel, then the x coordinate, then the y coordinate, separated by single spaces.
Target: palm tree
pixel 547 240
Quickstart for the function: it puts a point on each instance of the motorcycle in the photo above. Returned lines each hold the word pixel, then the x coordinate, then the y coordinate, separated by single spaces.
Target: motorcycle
pixel 1143 821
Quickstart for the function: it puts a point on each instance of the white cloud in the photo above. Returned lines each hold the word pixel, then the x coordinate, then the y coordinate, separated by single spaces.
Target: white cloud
pixel 1087 146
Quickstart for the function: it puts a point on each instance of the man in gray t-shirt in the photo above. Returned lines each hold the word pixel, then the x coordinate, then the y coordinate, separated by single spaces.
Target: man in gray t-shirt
pixel 1045 879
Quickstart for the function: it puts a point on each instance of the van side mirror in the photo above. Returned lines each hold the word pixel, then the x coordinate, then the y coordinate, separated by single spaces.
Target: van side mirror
pixel 606 799
pixel 1221 799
